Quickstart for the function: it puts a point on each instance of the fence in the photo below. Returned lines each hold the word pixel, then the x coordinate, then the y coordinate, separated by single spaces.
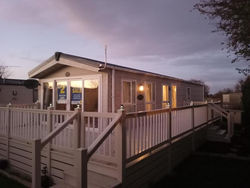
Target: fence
pixel 65 141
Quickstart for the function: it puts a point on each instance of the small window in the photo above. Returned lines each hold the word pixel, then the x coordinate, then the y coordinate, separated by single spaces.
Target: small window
pixel 165 96
pixel 127 92
pixel 188 93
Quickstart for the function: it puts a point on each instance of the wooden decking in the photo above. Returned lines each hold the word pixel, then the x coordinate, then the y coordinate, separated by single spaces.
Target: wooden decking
pixel 112 148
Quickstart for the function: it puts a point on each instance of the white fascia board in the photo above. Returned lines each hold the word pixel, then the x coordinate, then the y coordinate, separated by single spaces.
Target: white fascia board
pixel 41 68
pixel 68 62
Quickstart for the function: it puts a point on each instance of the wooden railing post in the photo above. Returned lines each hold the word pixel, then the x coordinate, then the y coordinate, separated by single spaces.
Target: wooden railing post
pixel 49 129
pixel 120 135
pixel 81 164
pixel 193 129
pixel 77 128
pixel 36 163
pixel 170 141
pixel 8 130
pixel 207 112
pixel 229 125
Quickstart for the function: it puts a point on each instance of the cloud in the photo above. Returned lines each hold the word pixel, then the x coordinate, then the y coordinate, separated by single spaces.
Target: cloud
pixel 162 36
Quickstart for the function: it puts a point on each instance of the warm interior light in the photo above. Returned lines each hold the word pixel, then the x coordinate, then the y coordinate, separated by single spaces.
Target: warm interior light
pixel 76 83
pixel 141 88
pixel 91 84
pixel 50 85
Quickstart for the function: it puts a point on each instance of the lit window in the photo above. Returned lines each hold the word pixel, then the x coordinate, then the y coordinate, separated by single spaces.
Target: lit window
pixel 165 96
pixel 149 96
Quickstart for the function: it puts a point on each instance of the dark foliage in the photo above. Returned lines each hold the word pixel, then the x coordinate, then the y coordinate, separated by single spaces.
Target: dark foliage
pixel 46 181
pixel 232 18
pixel 4 164
pixel 219 94
pixel 246 104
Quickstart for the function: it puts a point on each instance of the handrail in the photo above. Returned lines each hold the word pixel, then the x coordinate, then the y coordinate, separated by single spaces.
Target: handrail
pixel 107 131
pixel 143 113
pixel 220 110
pixel 57 130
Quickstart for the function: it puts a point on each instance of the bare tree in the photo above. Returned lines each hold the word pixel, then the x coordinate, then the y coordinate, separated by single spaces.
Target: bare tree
pixel 4 72
pixel 238 85
pixel 232 17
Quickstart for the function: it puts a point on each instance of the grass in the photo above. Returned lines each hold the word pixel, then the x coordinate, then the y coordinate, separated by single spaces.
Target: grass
pixel 5 182
pixel 212 171
pixel 207 172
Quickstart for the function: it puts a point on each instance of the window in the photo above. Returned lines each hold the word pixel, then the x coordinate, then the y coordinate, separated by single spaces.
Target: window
pixel 174 101
pixel 75 94
pixel 91 95
pixel 165 96
pixel 61 102
pixel 188 95
pixel 127 92
pixel 149 96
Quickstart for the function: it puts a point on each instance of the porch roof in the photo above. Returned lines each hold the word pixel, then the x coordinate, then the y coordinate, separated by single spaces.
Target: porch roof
pixel 53 64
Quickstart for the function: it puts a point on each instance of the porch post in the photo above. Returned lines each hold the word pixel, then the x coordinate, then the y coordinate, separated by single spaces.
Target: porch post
pixel 49 129
pixel 8 130
pixel 36 163
pixel 81 161
pixel 170 140
pixel 229 125
pixel 193 130
pixel 120 140
pixel 77 128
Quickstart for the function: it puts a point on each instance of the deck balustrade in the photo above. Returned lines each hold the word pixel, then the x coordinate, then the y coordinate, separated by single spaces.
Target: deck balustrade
pixel 76 137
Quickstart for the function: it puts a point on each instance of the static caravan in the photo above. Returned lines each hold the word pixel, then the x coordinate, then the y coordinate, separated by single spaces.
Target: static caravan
pixel 15 92
pixel 68 81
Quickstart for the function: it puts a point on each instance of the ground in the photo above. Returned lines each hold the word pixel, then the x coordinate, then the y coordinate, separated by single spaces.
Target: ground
pixel 209 172
pixel 8 183
pixel 214 165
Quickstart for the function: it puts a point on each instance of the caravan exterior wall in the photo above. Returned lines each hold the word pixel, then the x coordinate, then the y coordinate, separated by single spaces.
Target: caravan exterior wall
pixel 17 95
pixel 185 91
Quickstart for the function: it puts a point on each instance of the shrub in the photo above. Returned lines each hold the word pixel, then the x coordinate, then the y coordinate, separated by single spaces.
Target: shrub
pixel 246 104
pixel 4 164
pixel 46 181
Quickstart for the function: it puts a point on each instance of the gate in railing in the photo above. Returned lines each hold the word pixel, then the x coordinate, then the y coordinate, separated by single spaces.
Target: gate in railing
pixel 112 137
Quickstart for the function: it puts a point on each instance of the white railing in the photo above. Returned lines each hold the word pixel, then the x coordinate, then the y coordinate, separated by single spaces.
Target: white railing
pixel 146 131
pixel 95 124
pixel 28 106
pixel 98 134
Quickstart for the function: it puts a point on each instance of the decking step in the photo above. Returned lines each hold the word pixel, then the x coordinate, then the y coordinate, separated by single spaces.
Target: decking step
pixel 95 180
pixel 99 180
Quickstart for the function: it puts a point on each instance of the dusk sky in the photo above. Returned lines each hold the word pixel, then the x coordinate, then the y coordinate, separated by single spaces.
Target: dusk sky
pixel 162 36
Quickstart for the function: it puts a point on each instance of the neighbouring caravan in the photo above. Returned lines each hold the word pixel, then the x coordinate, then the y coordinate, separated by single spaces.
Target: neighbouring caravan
pixel 14 91
pixel 68 81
